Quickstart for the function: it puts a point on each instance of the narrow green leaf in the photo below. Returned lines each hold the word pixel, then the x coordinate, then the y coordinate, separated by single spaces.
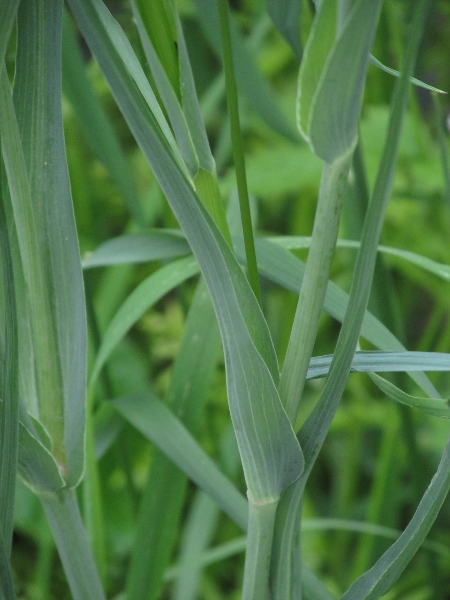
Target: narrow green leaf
pixel 159 18
pixel 155 244
pixel 68 531
pixel 46 232
pixel 317 49
pixel 147 293
pixel 432 266
pixel 156 422
pixel 382 576
pixel 390 362
pixel 94 122
pixel 285 15
pixel 191 107
pixel 413 80
pixel 9 383
pixel 433 406
pixel 166 90
pixel 163 499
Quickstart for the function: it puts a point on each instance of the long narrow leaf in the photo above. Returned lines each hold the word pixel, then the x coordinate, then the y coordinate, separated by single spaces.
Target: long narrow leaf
pixel 46 232
pixel 154 420
pixel 390 566
pixel 8 11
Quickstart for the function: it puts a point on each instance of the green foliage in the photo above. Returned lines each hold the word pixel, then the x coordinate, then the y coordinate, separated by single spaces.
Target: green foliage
pixel 271 347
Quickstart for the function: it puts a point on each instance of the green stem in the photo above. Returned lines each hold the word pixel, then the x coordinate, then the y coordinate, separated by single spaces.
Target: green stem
pixel 68 531
pixel 238 150
pixel 312 292
pixel 261 521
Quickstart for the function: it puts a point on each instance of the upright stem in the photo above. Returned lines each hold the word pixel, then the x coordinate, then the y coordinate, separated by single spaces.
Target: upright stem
pixel 238 150
pixel 312 293
pixel 261 521
pixel 68 531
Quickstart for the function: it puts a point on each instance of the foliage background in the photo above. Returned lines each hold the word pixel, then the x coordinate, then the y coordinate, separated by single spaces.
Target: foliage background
pixel 366 470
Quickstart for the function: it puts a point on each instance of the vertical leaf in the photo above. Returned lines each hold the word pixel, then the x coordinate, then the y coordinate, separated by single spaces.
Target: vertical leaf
pixel 286 18
pixel 47 237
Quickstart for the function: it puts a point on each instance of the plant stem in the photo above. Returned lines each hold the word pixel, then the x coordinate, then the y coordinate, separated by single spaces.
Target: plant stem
pixel 238 150
pixel 261 521
pixel 68 531
pixel 312 293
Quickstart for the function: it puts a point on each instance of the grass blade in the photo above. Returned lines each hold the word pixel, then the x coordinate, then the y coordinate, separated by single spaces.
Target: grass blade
pixel 68 531
pixel 285 15
pixel 7 15
pixel 382 576
pixel 163 499
pixel 6 578
pixel 152 289
pixel 94 122
pixel 46 233
pixel 9 384
pixel 156 422
pixel 155 244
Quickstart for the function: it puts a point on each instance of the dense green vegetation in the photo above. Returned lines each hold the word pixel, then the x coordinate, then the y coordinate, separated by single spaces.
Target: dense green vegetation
pixel 151 478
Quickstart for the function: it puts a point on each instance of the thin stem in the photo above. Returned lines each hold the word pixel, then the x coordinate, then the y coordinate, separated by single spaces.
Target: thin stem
pixel 68 531
pixel 261 521
pixel 312 292
pixel 238 150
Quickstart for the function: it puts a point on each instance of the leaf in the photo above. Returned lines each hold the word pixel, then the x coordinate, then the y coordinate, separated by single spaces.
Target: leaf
pixel 156 422
pixel 433 406
pixel 94 122
pixel 46 232
pixel 67 527
pixel 269 450
pixel 395 73
pixel 147 293
pixel 9 381
pixel 165 87
pixel 390 362
pixel 382 576
pixel 285 15
pixel 333 116
pixel 155 244
pixel 6 578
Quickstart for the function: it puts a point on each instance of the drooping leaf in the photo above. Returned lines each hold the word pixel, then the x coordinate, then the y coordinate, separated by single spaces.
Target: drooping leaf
pixel 155 244
pixel 154 420
pixel 285 15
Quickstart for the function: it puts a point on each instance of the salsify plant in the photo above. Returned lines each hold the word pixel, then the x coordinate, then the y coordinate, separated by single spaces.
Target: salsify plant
pixel 59 419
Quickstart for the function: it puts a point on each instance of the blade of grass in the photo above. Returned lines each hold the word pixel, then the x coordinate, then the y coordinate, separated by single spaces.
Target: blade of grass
pixel 147 293
pixel 443 145
pixel 155 244
pixel 286 18
pixel 6 578
pixel 155 421
pixel 46 233
pixel 382 576
pixel 162 503
pixel 9 383
pixel 68 531
pixel 238 149
pixel 94 122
